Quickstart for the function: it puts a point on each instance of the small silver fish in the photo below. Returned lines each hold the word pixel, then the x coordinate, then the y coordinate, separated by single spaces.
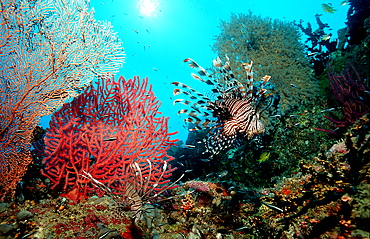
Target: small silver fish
pixel 272 207
pixel 106 234
pixel 313 54
pixel 210 174
pixel 188 146
pixel 110 139
pixel 325 37
pixel 29 234
pixel 241 229
pixel 205 160
pixel 331 109
pixel 223 174
pixel 293 85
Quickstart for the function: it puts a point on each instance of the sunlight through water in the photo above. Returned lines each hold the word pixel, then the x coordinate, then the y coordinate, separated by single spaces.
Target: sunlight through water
pixel 148 7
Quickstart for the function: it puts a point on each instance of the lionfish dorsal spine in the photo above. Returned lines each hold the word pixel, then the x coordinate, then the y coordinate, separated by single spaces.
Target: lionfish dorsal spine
pixel 248 67
pixel 232 84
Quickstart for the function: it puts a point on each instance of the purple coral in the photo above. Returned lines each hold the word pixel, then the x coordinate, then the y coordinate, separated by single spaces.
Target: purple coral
pixel 353 94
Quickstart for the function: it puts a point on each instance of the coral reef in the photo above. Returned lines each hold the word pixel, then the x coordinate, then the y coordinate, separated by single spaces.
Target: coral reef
pixel 328 197
pixel 287 181
pixel 322 199
pixel 58 218
pixel 274 47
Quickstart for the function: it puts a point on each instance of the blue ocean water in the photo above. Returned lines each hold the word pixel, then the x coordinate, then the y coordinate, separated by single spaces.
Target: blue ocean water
pixel 159 34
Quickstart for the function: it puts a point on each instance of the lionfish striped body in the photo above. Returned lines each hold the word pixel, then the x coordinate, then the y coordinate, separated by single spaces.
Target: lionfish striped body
pixel 231 114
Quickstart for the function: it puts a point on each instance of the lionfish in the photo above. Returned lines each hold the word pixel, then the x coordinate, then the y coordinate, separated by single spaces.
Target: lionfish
pixel 139 189
pixel 231 113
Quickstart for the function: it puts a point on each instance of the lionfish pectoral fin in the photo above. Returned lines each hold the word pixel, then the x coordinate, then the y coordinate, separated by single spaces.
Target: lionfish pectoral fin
pixel 193 120
pixel 189 91
pixel 195 76
pixel 191 113
pixel 183 111
pixel 176 83
pixel 176 91
pixel 182 101
pixel 195 128
pixel 179 84
pixel 192 63
pixel 215 91
pixel 205 124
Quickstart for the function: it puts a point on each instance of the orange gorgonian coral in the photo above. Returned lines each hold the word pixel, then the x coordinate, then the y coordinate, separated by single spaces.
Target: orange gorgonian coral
pixel 49 52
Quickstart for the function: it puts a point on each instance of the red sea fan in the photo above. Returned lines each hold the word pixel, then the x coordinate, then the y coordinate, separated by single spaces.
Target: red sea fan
pixel 112 126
